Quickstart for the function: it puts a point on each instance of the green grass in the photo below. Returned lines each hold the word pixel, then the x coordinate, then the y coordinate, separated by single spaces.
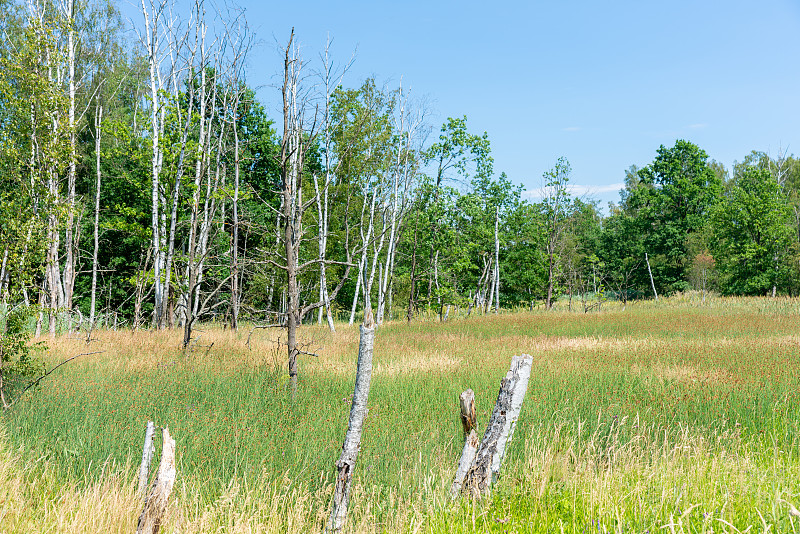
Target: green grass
pixel 662 414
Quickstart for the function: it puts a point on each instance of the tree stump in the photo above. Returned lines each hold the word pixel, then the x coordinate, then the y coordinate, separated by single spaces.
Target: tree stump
pixel 468 421
pixel 155 506
pixel 147 457
pixel 483 469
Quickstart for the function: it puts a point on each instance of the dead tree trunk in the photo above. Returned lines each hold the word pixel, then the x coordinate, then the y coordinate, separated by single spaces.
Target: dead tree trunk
pixel 358 412
pixel 147 457
pixel 483 470
pixel 155 506
pixel 652 283
pixel 469 420
pixel 98 122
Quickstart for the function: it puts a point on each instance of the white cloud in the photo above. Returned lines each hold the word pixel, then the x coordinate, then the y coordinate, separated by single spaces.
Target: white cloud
pixel 578 190
pixel 571 129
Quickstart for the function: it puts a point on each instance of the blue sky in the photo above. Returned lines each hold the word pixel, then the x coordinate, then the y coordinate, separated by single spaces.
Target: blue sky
pixel 601 83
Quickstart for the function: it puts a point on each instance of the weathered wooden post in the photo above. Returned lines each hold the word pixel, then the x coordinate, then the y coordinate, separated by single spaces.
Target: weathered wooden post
pixel 468 420
pixel 155 505
pixel 358 412
pixel 147 457
pixel 482 471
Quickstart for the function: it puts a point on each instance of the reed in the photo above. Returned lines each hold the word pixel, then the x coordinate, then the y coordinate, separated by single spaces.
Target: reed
pixel 670 416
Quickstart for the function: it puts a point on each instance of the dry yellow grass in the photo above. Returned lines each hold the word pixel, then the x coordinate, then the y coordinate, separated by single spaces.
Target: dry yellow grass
pixel 664 476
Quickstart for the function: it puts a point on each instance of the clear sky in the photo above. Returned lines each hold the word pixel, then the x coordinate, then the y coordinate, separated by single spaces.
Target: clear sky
pixel 601 83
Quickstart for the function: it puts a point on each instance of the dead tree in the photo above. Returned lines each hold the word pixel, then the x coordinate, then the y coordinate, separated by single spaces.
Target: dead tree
pixel 298 138
pixel 468 420
pixel 650 272
pixel 155 505
pixel 147 456
pixel 484 466
pixel 358 413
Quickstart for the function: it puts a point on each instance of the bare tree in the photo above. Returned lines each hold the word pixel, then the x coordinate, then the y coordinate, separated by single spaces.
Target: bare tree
pixel 299 135
pixel 331 79
pixel 98 128
pixel 152 14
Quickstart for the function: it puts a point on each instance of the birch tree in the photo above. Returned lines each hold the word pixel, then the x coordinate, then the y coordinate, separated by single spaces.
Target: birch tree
pixel 153 13
pixel 300 133
pixel 456 156
pixel 556 204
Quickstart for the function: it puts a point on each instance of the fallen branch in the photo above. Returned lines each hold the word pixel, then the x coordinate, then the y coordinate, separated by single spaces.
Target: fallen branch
pixel 45 375
pixel 260 326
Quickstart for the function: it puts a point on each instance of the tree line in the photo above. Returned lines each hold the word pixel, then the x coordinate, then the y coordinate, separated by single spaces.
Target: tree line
pixel 144 184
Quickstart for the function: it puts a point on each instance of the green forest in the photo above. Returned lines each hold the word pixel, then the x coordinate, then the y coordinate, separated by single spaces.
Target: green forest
pixel 144 185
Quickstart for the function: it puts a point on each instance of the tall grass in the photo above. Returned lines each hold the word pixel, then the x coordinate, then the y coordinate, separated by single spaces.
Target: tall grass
pixel 670 416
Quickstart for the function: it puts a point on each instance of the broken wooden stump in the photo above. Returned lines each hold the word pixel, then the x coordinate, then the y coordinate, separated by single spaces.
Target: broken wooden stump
pixel 147 456
pixel 155 505
pixel 468 421
pixel 352 439
pixel 478 470
pixel 468 418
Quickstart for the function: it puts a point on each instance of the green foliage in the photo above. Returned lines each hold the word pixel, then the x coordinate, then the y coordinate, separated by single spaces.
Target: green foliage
pixel 754 236
pixel 18 356
pixel 468 155
pixel 673 197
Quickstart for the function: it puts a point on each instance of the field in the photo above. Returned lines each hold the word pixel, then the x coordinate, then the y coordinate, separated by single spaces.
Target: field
pixel 676 416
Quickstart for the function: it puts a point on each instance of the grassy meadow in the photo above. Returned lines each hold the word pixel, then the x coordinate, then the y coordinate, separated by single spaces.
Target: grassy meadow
pixel 675 416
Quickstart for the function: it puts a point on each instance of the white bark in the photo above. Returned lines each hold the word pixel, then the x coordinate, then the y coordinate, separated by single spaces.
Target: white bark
pixel 155 506
pixel 323 200
pixel 652 283
pixel 235 298
pixel 186 126
pixel 147 456
pixel 468 421
pixel 358 413
pixel 362 264
pixel 4 276
pixel 156 84
pixel 70 238
pixel 489 456
pixel 322 240
pixel 465 462
pixel 98 122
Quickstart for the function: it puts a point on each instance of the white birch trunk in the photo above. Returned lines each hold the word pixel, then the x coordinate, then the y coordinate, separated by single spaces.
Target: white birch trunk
pixel 3 277
pixel 69 241
pixel 235 298
pixel 490 288
pixel 98 121
pixel 358 413
pixel 155 506
pixel 362 264
pixel 377 248
pixel 652 282
pixel 489 456
pixel 179 170
pixel 152 41
pixel 322 240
